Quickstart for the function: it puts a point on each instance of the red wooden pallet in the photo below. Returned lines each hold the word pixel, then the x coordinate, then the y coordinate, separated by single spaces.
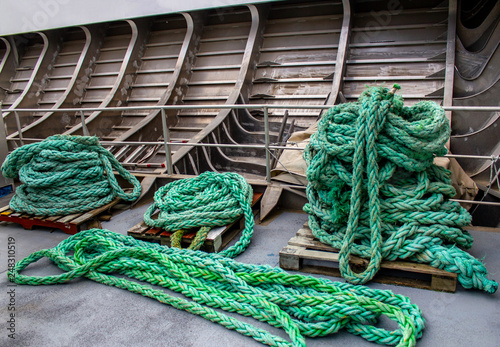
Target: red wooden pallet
pixel 70 224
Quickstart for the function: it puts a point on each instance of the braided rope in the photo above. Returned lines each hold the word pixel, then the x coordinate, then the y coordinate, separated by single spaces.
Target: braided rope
pixel 301 305
pixel 65 174
pixel 208 200
pixel 374 191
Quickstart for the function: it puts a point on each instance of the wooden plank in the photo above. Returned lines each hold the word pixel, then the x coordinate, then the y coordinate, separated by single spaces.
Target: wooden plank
pixel 289 258
pixel 68 218
pixel 270 200
pixel 91 214
pixel 216 235
pixel 153 232
pixel 5 208
pixel 138 229
pixel 53 218
pixel 445 283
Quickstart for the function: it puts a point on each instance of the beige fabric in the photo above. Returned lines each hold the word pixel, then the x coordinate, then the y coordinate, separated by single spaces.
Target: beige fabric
pixel 463 184
pixel 291 167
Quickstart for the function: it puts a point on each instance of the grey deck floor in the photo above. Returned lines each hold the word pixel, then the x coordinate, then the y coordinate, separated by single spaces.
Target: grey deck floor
pixel 84 313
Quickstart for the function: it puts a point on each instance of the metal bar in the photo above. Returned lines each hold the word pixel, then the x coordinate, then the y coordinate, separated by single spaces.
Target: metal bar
pixel 467 156
pixel 450 56
pixel 489 203
pixel 341 53
pixel 4 150
pixel 239 106
pixel 228 145
pixel 84 126
pixel 19 130
pixel 182 107
pixel 280 136
pixel 166 141
pixel 266 130
pixel 472 108
pixel 145 165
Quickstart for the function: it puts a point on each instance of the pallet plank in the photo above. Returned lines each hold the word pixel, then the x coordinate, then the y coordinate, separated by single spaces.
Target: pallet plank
pixel 5 208
pixel 95 212
pixel 138 229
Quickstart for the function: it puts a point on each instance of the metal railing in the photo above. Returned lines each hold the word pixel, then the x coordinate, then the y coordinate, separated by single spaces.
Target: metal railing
pixel 267 146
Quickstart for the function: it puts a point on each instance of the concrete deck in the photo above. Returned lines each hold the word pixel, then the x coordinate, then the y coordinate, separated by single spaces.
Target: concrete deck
pixel 84 313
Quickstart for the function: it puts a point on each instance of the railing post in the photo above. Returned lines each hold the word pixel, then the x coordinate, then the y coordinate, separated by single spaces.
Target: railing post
pixel 18 124
pixel 84 126
pixel 4 150
pixel 166 141
pixel 266 130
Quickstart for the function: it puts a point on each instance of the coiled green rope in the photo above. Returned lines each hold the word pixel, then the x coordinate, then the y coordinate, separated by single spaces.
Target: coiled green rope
pixel 374 191
pixel 301 305
pixel 209 200
pixel 65 174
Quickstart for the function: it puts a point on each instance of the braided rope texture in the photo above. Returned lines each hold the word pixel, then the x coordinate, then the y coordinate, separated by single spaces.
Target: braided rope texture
pixel 303 306
pixel 374 191
pixel 65 174
pixel 206 201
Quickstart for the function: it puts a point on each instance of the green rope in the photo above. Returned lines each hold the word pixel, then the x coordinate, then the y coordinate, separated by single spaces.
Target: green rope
pixel 374 191
pixel 206 201
pixel 198 241
pixel 301 305
pixel 65 174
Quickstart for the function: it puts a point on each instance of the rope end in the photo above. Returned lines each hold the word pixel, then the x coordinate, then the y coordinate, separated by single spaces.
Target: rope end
pixel 395 88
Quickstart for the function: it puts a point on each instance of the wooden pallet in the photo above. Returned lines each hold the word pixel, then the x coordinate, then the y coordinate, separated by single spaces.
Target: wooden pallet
pixel 70 224
pixel 216 240
pixel 305 253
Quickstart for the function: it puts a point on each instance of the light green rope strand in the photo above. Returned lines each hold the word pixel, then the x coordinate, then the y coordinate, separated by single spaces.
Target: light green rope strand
pixel 374 191
pixel 65 174
pixel 301 305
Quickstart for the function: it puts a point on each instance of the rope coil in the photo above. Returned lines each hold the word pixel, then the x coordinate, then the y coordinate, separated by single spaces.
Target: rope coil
pixel 208 200
pixel 374 191
pixel 65 174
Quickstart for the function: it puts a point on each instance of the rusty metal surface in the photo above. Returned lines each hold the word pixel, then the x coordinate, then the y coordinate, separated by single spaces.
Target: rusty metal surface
pixel 278 53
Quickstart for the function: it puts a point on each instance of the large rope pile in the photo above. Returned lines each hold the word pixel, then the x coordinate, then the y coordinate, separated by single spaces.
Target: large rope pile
pixel 374 191
pixel 206 201
pixel 65 174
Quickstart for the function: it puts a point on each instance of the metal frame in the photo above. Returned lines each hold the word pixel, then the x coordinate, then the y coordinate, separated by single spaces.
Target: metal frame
pixel 167 143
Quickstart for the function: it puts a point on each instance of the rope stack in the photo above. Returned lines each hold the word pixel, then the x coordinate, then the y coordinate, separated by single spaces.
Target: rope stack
pixel 65 174
pixel 374 191
pixel 206 201
pixel 301 305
